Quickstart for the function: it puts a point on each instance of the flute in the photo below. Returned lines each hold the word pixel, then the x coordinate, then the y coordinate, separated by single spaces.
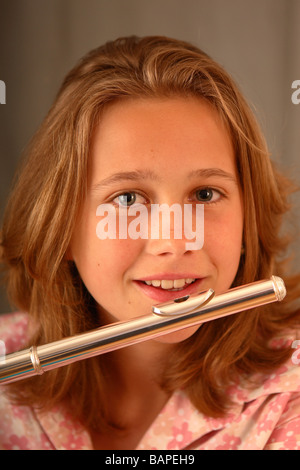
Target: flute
pixel 165 318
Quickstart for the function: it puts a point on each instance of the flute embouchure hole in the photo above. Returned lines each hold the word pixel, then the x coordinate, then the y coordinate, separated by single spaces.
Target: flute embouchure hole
pixel 181 299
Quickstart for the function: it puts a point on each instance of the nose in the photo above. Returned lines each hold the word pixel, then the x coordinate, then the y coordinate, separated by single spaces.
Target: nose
pixel 171 246
pixel 168 233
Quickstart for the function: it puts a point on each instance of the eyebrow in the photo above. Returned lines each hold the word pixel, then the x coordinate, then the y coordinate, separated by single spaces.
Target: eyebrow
pixel 138 175
pixel 127 176
pixel 213 172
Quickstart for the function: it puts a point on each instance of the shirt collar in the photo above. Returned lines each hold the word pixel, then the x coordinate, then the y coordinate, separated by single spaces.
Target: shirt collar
pixel 179 425
pixel 63 432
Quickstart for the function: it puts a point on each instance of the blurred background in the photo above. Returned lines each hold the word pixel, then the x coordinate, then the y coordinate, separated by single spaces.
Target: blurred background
pixel 257 41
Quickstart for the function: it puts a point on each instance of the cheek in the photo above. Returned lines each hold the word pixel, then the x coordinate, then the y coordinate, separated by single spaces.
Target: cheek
pixel 223 241
pixel 90 252
pixel 115 257
pixel 103 268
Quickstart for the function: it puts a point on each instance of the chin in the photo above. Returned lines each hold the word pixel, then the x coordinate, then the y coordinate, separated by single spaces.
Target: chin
pixel 178 336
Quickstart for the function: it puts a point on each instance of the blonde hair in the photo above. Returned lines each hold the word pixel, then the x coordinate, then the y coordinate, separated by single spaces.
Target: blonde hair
pixel 46 199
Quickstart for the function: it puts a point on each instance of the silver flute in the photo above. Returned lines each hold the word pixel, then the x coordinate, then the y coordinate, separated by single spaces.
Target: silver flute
pixel 165 318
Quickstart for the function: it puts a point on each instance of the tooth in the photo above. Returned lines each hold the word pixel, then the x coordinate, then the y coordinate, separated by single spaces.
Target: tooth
pixel 170 284
pixel 179 283
pixel 167 284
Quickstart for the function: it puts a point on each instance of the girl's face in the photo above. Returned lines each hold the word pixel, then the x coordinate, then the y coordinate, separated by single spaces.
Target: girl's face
pixel 155 151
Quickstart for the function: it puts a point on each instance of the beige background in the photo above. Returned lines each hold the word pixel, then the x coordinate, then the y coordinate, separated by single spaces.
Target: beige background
pixel 257 41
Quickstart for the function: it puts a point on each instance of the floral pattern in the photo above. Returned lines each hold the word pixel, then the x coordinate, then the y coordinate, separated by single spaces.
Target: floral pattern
pixel 266 418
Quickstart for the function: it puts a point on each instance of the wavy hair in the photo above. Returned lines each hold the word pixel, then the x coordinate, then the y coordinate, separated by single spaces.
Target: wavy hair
pixel 46 199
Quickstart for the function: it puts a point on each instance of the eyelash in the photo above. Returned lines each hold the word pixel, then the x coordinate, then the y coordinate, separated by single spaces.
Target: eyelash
pixel 221 195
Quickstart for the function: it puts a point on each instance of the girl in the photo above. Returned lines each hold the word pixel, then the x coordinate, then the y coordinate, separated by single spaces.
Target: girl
pixel 140 122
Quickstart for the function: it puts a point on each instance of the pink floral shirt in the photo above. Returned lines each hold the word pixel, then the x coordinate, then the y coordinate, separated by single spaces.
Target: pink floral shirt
pixel 265 418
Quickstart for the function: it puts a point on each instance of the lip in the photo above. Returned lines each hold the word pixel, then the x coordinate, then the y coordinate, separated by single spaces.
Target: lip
pixel 161 295
pixel 169 276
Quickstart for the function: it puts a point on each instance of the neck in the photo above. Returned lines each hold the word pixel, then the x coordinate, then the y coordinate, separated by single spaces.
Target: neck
pixel 135 385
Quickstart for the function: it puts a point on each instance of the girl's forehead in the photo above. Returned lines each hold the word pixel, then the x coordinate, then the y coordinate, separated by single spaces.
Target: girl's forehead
pixel 177 133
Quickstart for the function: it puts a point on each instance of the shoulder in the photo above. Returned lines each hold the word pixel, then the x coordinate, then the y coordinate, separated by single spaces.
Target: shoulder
pixel 13 331
pixel 279 395
pixel 19 429
pixel 284 379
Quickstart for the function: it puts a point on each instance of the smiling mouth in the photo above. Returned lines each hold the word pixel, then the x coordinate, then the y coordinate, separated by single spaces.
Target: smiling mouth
pixel 169 284
pixel 164 290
